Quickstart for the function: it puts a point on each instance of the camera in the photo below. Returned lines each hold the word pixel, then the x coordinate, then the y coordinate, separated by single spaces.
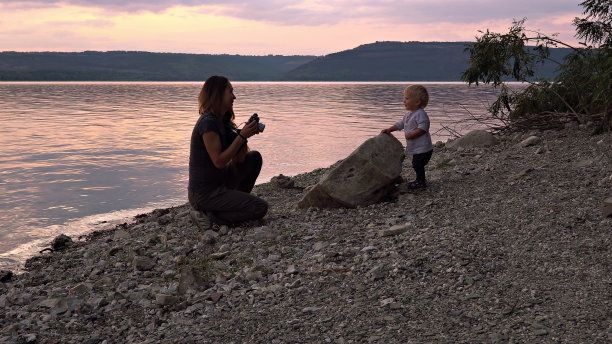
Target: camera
pixel 255 118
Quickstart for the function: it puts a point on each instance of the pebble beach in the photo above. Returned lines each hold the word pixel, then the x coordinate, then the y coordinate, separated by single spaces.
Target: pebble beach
pixel 507 244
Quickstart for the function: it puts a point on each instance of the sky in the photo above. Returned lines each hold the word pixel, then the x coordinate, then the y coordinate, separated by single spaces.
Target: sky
pixel 262 27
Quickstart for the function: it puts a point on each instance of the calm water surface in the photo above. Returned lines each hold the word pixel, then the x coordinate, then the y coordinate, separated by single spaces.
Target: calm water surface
pixel 79 156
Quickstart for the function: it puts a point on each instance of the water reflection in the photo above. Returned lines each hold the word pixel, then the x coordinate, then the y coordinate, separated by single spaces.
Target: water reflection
pixel 76 151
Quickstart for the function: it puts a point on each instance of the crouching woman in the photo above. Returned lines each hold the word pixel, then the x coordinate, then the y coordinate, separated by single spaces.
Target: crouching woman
pixel 222 170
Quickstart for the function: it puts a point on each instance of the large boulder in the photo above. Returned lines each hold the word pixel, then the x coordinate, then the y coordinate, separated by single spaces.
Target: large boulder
pixel 363 178
pixel 473 139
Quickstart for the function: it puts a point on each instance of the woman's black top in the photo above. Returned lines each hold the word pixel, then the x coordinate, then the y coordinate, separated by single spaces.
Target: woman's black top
pixel 203 175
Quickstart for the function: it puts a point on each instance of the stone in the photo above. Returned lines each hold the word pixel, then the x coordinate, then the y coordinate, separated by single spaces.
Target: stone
pixel 81 288
pixel 165 300
pixel 61 242
pixel 114 250
pixel 264 233
pixel 56 305
pixel 606 208
pixel 394 230
pixel 369 249
pixel 142 263
pixel 120 234
pixel 223 230
pixel 473 139
pixel 530 141
pixel 97 302
pixel 282 182
pixel 210 237
pixel 387 302
pixel 219 255
pixel 365 177
pixel 582 163
pixel 4 301
pixel 191 279
pixel 292 269
pixel 164 219
pixel 29 338
pixel 5 275
pixel 253 275
pixel 320 245
pixel 215 297
pixel 310 309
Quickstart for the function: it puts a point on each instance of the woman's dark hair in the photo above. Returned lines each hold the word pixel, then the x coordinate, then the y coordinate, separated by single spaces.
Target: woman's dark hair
pixel 211 98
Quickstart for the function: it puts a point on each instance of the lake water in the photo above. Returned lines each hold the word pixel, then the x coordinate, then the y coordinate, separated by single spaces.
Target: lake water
pixel 75 157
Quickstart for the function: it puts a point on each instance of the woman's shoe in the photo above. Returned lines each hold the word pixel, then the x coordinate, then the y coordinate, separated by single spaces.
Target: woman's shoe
pixel 201 220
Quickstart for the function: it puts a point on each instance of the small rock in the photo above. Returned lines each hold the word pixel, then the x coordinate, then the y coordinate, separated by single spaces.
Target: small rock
pixel 395 230
pixel 541 332
pixel 369 249
pixel 80 288
pixel 318 246
pixel 253 275
pixel 29 338
pixel 219 255
pixel 164 300
pixel 223 230
pixel 292 269
pixel 61 242
pixel 294 284
pixel 530 141
pixel 114 250
pixel 310 309
pixel 282 182
pixel 582 163
pixel 164 219
pixel 386 302
pixel 191 279
pixel 210 237
pixel 97 302
pixel 120 234
pixel 264 233
pixel 4 302
pixel 57 305
pixel 5 275
pixel 215 297
pixel 142 263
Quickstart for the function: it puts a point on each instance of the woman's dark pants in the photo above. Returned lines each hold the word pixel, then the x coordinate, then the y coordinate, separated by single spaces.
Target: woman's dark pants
pixel 232 203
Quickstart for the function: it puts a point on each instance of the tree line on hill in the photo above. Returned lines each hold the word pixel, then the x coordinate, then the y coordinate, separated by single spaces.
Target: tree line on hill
pixel 380 61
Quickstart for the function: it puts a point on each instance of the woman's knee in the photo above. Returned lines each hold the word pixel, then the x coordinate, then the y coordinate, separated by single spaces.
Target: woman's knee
pixel 255 158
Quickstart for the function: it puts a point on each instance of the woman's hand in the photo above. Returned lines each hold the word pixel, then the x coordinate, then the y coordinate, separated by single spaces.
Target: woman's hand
pixel 249 130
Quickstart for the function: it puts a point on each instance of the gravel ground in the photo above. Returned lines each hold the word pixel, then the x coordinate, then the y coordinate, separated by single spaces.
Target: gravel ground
pixel 507 245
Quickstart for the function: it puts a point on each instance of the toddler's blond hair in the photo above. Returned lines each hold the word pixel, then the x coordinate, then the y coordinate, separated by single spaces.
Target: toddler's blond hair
pixel 418 91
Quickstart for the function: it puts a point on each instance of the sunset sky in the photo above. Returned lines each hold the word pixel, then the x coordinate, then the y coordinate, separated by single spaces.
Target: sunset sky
pixel 260 27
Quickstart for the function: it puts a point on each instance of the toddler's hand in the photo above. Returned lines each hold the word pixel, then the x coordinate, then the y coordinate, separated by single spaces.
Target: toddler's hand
pixel 385 131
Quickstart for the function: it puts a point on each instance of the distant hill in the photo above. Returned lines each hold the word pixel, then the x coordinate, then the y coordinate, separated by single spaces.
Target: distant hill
pixel 380 61
pixel 139 66
pixel 397 61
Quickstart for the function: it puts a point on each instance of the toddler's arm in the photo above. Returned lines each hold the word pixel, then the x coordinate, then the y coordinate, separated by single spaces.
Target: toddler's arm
pixel 415 133
pixel 389 130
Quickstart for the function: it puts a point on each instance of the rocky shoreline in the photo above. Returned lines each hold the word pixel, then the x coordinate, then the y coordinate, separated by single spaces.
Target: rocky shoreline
pixel 507 244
